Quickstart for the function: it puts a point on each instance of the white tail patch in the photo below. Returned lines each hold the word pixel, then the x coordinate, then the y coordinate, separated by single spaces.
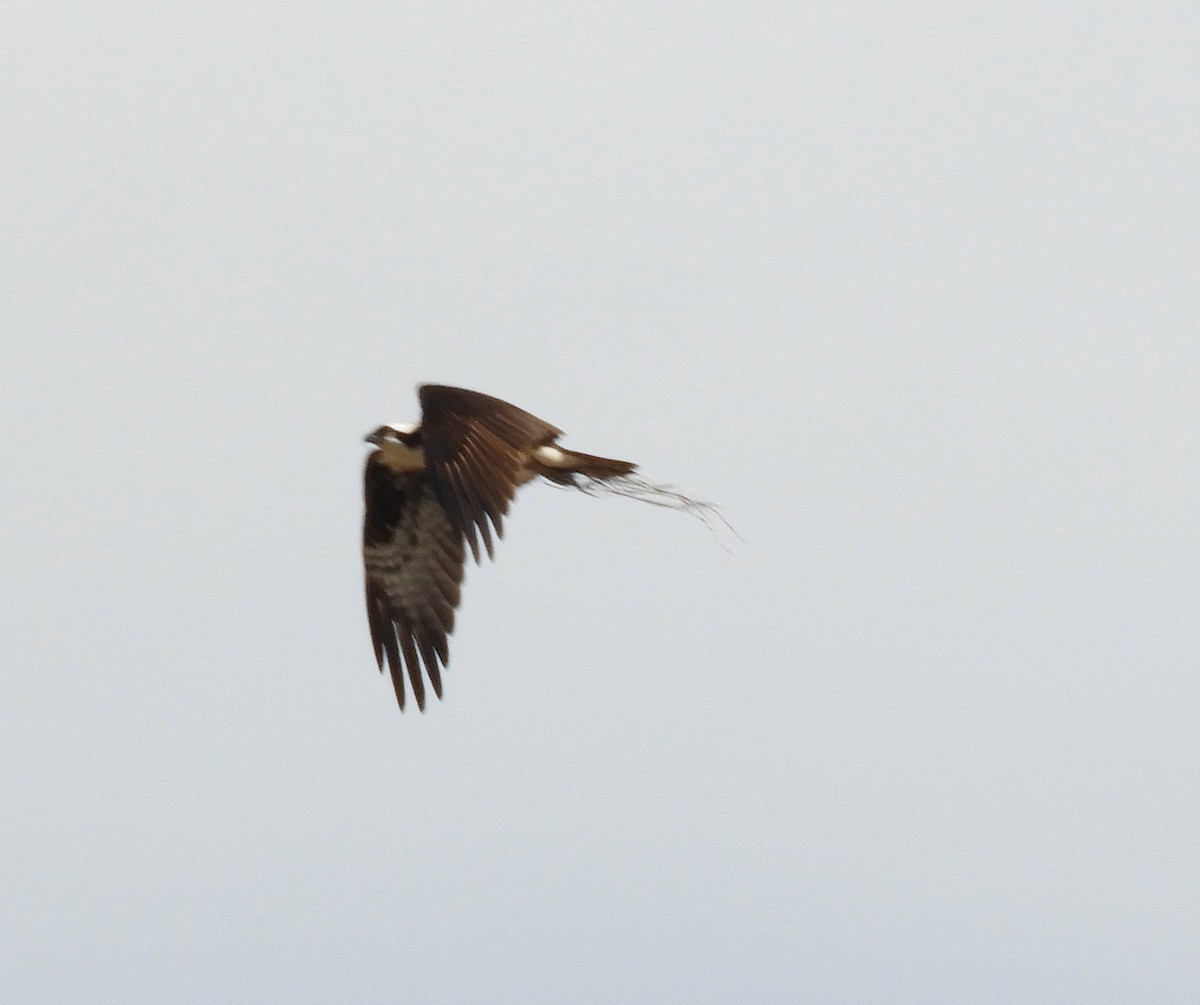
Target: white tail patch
pixel 552 457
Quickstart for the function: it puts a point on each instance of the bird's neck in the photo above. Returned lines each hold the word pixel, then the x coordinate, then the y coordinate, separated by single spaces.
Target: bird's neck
pixel 398 457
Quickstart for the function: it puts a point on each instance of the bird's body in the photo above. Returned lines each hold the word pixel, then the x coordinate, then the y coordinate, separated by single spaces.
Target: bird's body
pixel 431 491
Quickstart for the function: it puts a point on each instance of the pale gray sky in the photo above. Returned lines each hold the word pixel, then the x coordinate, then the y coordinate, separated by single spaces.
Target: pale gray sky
pixel 909 289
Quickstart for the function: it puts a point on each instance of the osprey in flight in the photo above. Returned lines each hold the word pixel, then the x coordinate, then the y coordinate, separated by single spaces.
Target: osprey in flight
pixel 433 486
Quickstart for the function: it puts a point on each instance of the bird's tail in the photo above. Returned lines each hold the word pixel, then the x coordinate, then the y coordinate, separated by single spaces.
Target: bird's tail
pixel 562 466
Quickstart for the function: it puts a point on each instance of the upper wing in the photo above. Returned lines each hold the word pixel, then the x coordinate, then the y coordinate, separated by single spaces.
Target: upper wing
pixel 413 559
pixel 475 450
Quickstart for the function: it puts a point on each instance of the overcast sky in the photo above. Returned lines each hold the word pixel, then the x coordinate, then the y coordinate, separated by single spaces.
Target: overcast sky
pixel 910 290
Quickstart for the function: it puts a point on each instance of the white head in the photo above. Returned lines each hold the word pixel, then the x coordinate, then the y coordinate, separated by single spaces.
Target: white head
pixel 394 432
pixel 399 446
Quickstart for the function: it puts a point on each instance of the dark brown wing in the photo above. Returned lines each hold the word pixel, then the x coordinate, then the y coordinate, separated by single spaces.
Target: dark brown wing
pixel 475 449
pixel 413 559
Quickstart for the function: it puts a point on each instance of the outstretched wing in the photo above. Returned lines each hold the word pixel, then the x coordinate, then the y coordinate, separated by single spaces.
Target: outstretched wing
pixel 475 450
pixel 413 559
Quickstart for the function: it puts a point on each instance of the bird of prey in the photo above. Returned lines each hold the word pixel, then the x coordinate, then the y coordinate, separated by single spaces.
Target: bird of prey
pixel 435 487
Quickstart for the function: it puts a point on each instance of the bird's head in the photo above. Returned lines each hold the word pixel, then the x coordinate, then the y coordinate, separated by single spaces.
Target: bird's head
pixel 395 433
pixel 398 447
